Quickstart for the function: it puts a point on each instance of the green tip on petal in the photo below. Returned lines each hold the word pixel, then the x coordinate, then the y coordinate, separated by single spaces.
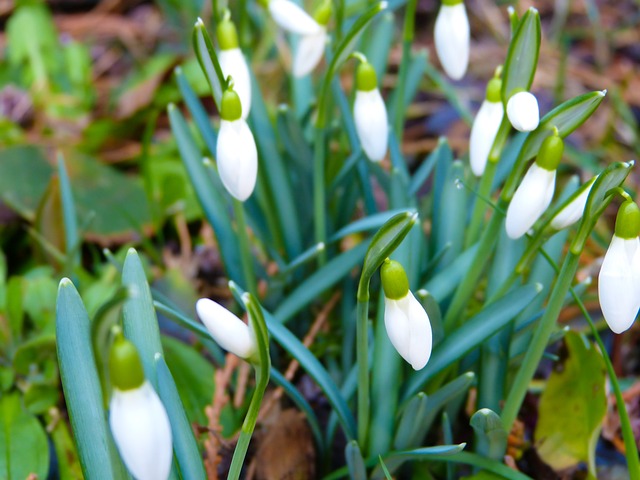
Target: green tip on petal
pixel 493 90
pixel 451 3
pixel 551 152
pixel 230 107
pixel 227 35
pixel 394 280
pixel 366 79
pixel 322 15
pixel 125 367
pixel 628 220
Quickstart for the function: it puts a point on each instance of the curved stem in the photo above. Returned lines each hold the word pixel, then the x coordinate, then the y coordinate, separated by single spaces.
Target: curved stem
pixel 362 350
pixel 479 206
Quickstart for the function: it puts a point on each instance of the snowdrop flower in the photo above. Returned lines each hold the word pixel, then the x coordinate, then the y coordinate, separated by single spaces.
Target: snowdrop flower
pixel 523 113
pixel 534 194
pixel 290 17
pixel 227 330
pixel 236 152
pixel 137 417
pixel 572 212
pixel 370 113
pixel 619 279
pixel 233 63
pixel 452 38
pixel 485 127
pixel 405 319
pixel 311 46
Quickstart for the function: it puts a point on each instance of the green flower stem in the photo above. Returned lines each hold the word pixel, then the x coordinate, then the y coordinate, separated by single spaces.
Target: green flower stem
pixel 479 207
pixel 407 40
pixel 362 350
pixel 539 341
pixel 319 211
pixel 245 251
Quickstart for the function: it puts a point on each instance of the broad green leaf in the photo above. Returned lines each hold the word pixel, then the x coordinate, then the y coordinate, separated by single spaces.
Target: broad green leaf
pixel 522 57
pixel 34 352
pixel 38 399
pixel 23 443
pixel 410 419
pixel 81 386
pixel 572 406
pixel 355 462
pixel 474 331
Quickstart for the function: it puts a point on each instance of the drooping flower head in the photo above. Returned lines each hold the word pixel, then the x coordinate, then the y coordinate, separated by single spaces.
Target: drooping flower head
pixel 523 112
pixel 452 38
pixel 233 63
pixel 535 193
pixel 405 319
pixel 573 211
pixel 138 419
pixel 311 46
pixel 227 330
pixel 485 127
pixel 290 17
pixel 236 152
pixel 619 278
pixel 370 113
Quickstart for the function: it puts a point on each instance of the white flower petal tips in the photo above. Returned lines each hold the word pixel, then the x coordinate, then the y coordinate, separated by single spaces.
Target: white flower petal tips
pixel 237 158
pixel 574 210
pixel 292 18
pixel 619 283
pixel 409 329
pixel 309 52
pixel 483 134
pixel 530 200
pixel 232 62
pixel 523 112
pixel 370 115
pixel 227 330
pixel 452 39
pixel 142 432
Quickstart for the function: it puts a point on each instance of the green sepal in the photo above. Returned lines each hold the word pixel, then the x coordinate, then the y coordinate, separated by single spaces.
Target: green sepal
pixel 451 3
pixel 366 79
pixel 385 241
pixel 394 280
pixel 322 14
pixel 604 189
pixel 550 153
pixel 230 107
pixel 227 35
pixel 125 368
pixel 522 57
pixel 494 87
pixel 628 220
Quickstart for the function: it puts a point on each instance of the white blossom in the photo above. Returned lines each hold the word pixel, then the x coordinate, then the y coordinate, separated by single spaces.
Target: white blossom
pixel 289 16
pixel 452 39
pixel 370 115
pixel 530 200
pixel 523 112
pixel 483 134
pixel 237 158
pixel 309 52
pixel 142 432
pixel 232 62
pixel 227 330
pixel 572 212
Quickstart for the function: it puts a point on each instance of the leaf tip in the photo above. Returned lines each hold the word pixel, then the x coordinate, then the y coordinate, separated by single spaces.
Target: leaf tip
pixel 65 282
pixel 630 163
pixel 603 92
pixel 131 252
pixel 538 287
pixel 199 23
pixel 321 247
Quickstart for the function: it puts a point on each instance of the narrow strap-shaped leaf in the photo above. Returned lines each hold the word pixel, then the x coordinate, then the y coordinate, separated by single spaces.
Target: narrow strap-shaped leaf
pixel 81 385
pixel 380 36
pixel 208 59
pixel 139 317
pixel 522 57
pixel 424 170
pixel 199 114
pixel 71 236
pixel 184 443
pixel 365 224
pixel 355 462
pixel 411 418
pixel 491 438
pixel 474 331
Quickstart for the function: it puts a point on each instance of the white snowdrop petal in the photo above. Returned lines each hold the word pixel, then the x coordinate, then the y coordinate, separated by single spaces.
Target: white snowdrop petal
pixel 142 432
pixel 233 63
pixel 523 113
pixel 397 326
pixel 237 158
pixel 292 18
pixel 231 333
pixel 483 134
pixel 618 283
pixel 421 338
pixel 309 52
pixel 372 126
pixel 572 212
pixel 530 200
pixel 452 39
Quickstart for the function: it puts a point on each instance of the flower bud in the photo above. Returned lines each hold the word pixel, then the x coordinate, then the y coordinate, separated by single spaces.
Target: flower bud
pixel 309 52
pixel 405 320
pixel 233 63
pixel 227 330
pixel 236 152
pixel 619 278
pixel 573 211
pixel 292 18
pixel 485 128
pixel 452 38
pixel 523 113
pixel 137 417
pixel 370 114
